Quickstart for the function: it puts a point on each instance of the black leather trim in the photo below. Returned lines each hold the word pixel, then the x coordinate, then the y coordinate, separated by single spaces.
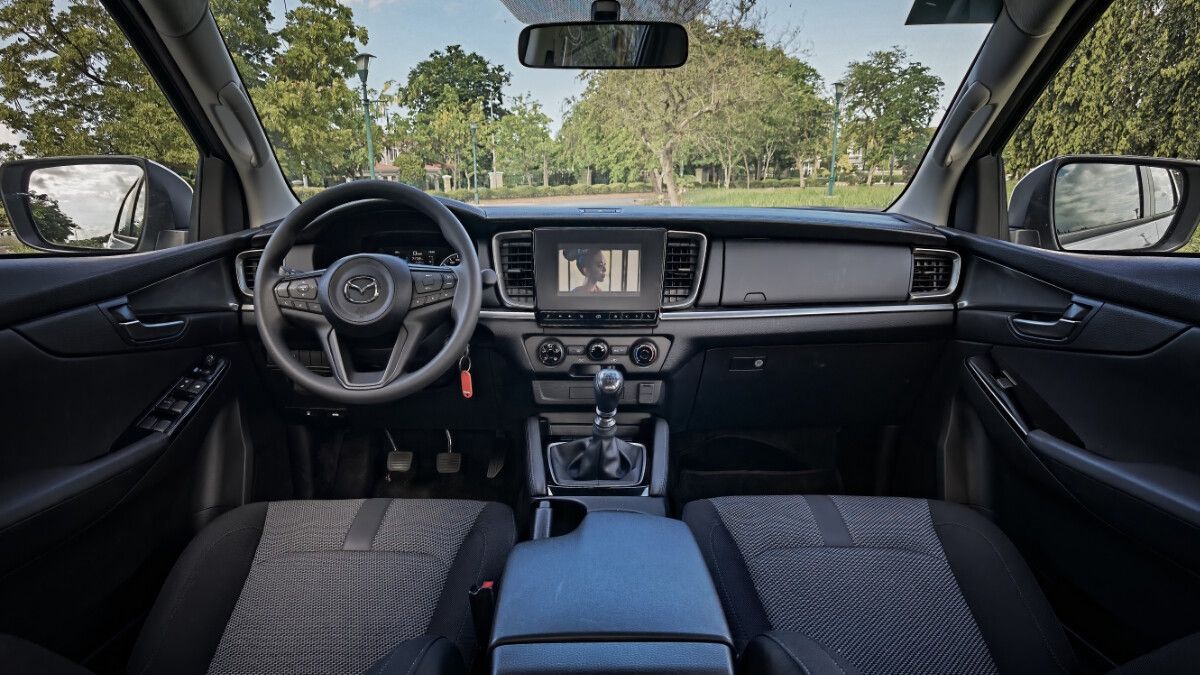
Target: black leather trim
pixel 425 655
pixel 21 656
pixel 366 524
pixel 185 625
pixel 480 558
pixel 1013 615
pixel 829 521
pixel 788 652
pixel 744 611
pixel 1176 658
pixel 535 455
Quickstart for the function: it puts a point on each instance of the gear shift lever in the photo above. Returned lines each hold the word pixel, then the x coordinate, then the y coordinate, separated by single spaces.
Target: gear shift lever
pixel 602 456
pixel 609 386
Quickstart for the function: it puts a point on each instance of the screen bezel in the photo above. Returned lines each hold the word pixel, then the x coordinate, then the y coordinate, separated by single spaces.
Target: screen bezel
pixel 546 245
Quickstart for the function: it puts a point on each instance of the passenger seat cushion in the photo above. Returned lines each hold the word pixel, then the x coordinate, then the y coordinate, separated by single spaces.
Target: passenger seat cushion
pixel 868 579
pixel 425 655
pixel 784 652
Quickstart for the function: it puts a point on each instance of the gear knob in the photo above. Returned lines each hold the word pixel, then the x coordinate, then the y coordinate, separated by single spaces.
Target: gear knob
pixel 609 385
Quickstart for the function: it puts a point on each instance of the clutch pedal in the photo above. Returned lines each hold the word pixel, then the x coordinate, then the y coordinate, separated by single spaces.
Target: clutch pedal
pixel 449 461
pixel 398 461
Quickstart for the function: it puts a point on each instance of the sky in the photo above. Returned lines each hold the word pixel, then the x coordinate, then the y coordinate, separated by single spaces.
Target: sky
pixel 828 34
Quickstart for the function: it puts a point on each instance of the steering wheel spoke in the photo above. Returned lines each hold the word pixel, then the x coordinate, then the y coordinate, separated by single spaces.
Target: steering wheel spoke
pixel 336 349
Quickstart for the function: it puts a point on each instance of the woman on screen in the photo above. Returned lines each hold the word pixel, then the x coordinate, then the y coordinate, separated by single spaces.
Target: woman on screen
pixel 593 267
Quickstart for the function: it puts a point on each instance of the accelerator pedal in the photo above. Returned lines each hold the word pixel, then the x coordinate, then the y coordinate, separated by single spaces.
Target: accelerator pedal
pixel 449 461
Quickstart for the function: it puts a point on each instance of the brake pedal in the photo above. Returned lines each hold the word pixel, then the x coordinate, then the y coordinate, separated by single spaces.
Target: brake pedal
pixel 449 461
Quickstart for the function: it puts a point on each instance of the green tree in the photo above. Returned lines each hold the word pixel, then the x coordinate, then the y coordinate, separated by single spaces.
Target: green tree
pixel 71 84
pixel 54 225
pixel 889 100
pixel 244 25
pixel 524 136
pixel 1132 86
pixel 472 78
pixel 312 114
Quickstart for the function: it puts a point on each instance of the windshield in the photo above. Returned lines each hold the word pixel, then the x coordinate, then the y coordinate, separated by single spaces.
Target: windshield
pixel 781 103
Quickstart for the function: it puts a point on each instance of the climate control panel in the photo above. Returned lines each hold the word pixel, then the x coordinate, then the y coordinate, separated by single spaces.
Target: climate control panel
pixel 581 354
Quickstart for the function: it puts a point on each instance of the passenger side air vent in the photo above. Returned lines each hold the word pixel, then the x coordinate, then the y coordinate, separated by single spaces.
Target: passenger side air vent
pixel 682 266
pixel 246 267
pixel 935 273
pixel 514 260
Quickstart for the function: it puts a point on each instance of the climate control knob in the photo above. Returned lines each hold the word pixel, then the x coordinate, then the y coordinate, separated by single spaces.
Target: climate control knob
pixel 597 350
pixel 551 352
pixel 643 353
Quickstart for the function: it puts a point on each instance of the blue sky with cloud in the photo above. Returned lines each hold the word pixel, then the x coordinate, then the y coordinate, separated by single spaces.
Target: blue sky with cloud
pixel 828 34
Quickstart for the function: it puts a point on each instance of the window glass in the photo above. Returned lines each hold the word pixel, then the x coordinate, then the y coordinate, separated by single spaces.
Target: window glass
pixel 71 84
pixel 1131 88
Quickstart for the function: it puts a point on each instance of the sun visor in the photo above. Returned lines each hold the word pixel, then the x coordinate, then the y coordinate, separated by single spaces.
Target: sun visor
pixel 557 11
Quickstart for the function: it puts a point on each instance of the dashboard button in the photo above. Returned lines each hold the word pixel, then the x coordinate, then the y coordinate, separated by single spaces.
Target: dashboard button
pixel 597 350
pixel 575 350
pixel 644 353
pixel 550 352
pixel 620 350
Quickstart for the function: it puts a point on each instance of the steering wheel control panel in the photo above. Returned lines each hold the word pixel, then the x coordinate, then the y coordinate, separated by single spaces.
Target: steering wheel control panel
pixel 583 355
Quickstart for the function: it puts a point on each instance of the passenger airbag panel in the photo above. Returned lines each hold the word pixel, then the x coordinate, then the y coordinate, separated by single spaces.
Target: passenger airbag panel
pixel 772 272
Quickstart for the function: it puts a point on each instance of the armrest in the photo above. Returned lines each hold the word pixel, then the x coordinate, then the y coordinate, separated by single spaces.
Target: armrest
pixel 618 577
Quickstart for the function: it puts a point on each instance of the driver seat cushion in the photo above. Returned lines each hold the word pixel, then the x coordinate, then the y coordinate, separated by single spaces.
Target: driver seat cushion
pixel 326 586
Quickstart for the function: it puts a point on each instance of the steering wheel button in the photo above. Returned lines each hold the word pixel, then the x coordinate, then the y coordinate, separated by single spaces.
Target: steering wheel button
pixel 305 289
pixel 449 280
pixel 314 307
pixel 281 290
pixel 429 281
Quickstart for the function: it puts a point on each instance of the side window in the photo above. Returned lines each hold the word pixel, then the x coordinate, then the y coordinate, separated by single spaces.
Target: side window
pixel 93 154
pixel 1128 92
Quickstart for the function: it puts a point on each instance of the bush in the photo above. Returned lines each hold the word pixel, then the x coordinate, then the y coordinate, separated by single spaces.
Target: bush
pixel 304 193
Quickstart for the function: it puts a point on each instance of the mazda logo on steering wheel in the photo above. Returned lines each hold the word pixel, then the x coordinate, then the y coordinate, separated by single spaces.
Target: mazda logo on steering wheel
pixel 361 289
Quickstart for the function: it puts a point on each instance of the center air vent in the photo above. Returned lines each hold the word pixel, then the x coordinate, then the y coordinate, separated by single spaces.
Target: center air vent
pixel 514 261
pixel 935 273
pixel 682 265
pixel 246 268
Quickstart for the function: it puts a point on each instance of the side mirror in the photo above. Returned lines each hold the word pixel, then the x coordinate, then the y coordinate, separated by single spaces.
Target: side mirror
pixel 603 45
pixel 99 204
pixel 1107 203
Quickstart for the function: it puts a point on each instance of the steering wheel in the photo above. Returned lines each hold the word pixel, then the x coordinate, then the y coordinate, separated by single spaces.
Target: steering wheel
pixel 368 295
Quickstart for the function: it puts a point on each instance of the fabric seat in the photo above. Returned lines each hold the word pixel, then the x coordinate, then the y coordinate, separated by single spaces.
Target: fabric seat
pixel 874 585
pixel 328 587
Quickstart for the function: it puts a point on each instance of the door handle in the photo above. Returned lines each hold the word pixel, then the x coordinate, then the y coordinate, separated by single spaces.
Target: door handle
pixel 147 332
pixel 1057 330
pixel 134 330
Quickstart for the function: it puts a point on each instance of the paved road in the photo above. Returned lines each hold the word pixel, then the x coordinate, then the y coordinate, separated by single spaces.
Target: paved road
pixel 631 199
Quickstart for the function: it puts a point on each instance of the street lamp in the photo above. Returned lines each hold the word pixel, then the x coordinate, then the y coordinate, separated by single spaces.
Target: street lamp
pixel 474 161
pixel 363 62
pixel 838 88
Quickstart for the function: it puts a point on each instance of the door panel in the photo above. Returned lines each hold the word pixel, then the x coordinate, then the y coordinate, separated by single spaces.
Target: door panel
pixel 1086 397
pixel 96 488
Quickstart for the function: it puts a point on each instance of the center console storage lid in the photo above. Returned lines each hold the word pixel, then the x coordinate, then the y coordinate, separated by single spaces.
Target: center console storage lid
pixel 617 577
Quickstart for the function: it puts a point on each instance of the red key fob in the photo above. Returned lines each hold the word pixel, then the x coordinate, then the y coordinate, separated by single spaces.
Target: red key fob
pixel 468 389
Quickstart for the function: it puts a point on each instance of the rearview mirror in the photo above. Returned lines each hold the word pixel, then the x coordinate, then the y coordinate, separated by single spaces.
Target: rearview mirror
pixel 1107 203
pixel 604 45
pixel 99 204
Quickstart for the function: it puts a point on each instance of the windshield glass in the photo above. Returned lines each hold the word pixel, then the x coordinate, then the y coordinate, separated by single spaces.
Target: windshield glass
pixel 769 90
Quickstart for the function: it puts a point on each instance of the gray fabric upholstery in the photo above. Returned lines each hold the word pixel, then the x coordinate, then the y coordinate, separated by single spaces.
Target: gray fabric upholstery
pixel 885 598
pixel 315 602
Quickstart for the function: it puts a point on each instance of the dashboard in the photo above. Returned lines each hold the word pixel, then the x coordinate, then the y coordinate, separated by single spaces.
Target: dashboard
pixel 653 290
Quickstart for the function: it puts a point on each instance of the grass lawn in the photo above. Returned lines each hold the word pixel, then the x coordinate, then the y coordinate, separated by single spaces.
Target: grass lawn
pixel 844 196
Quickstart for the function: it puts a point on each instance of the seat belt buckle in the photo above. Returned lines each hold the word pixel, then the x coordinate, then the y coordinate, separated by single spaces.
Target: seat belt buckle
pixel 483 611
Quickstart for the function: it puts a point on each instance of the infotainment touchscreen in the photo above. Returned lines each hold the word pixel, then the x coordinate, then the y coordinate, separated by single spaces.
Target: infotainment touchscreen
pixel 594 268
pixel 598 268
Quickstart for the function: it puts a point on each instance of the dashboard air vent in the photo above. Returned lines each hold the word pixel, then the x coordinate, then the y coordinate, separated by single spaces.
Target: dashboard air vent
pixel 246 268
pixel 935 273
pixel 682 265
pixel 514 256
